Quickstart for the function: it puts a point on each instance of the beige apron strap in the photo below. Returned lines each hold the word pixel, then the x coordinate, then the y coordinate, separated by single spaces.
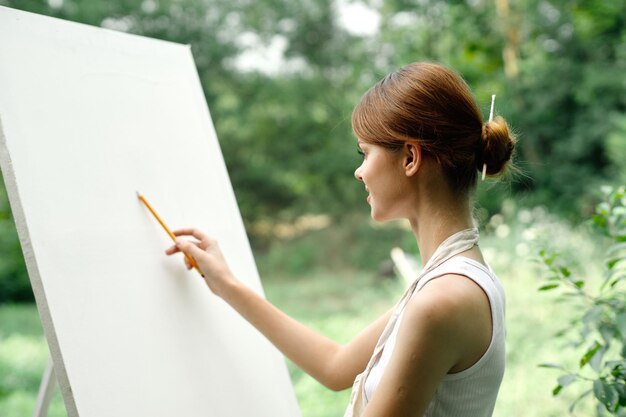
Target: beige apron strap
pixel 455 244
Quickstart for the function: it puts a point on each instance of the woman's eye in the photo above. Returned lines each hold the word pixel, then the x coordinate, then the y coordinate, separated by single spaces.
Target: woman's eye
pixel 360 152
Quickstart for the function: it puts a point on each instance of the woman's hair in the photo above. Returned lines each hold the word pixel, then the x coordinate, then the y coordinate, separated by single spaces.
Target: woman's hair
pixel 433 105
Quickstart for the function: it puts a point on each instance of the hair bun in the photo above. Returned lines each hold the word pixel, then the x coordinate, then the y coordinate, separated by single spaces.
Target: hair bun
pixel 496 147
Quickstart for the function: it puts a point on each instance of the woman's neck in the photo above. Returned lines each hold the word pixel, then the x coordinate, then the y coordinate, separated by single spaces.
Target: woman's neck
pixel 434 223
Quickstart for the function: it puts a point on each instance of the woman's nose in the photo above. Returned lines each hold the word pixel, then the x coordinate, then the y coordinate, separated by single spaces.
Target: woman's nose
pixel 357 173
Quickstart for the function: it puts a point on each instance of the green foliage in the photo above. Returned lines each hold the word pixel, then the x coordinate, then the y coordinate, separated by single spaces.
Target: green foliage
pixel 598 310
pixel 557 67
pixel 14 284
pixel 286 135
pixel 567 95
pixel 353 244
pixel 23 357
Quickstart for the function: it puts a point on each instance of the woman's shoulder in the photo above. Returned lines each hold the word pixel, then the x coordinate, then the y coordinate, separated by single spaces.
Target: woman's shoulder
pixel 453 312
pixel 476 272
pixel 449 297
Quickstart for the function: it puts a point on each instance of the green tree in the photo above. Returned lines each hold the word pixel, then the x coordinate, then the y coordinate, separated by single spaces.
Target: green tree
pixel 568 96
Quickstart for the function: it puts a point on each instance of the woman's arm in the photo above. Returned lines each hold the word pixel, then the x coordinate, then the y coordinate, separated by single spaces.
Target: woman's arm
pixel 332 364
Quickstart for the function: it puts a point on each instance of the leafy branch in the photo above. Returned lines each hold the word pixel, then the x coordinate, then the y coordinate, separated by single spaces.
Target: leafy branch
pixel 601 322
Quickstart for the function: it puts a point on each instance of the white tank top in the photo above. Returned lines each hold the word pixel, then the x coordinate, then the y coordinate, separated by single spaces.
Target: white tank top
pixel 473 391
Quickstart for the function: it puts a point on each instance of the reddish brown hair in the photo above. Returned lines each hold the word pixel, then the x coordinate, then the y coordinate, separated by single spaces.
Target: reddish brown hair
pixel 433 105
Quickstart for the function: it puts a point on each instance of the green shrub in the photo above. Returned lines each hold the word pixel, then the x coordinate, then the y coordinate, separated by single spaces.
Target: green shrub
pixel 598 313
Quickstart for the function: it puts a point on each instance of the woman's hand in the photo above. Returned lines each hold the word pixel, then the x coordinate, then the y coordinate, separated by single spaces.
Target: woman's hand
pixel 207 254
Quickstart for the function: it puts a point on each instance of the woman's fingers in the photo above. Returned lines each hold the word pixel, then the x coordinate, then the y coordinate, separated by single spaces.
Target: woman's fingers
pixel 203 253
pixel 194 249
pixel 191 232
pixel 190 248
pixel 176 249
pixel 172 250
pixel 204 241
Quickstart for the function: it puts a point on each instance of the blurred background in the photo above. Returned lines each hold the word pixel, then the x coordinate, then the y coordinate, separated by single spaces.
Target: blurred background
pixel 281 78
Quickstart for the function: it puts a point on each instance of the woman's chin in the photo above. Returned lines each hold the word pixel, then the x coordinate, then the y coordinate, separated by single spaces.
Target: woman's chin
pixel 379 217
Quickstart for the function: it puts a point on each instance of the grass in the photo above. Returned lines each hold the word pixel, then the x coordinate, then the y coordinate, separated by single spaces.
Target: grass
pixel 340 303
pixel 23 357
pixel 355 300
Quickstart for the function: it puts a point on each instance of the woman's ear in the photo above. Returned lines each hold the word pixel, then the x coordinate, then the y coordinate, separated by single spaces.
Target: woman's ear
pixel 412 158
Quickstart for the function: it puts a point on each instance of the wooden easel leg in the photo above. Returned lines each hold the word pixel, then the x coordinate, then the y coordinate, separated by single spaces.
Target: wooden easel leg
pixel 46 389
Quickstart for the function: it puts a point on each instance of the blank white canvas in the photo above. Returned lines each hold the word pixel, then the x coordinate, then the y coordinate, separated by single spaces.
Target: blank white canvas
pixel 88 116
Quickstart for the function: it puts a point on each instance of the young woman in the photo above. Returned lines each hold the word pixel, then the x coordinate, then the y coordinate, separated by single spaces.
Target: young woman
pixel 440 351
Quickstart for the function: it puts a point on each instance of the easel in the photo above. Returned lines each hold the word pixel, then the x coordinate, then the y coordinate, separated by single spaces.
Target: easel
pixel 46 388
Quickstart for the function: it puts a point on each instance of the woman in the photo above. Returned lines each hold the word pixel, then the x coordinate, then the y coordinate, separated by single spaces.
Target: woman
pixel 440 351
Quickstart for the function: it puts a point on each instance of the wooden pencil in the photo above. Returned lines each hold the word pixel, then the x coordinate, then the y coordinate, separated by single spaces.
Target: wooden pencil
pixel 191 261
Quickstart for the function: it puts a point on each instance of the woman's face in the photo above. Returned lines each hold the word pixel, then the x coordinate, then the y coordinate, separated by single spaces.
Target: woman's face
pixel 381 172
